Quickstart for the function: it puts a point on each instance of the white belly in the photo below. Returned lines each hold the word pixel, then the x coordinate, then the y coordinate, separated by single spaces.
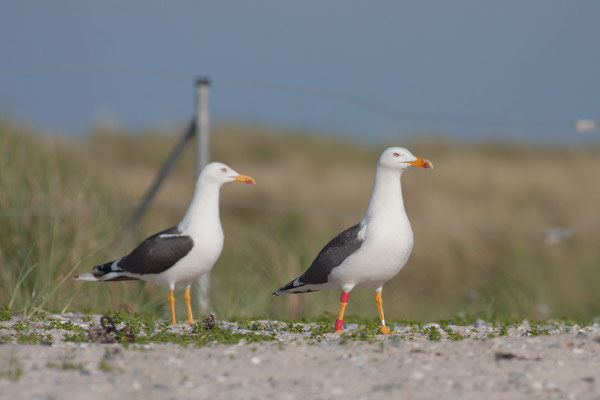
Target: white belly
pixel 198 261
pixel 378 260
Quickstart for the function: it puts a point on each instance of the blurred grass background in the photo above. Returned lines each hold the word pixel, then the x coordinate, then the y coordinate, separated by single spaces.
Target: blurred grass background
pixel 478 218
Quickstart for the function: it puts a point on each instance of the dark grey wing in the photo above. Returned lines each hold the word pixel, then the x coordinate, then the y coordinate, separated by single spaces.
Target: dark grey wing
pixel 157 253
pixel 332 255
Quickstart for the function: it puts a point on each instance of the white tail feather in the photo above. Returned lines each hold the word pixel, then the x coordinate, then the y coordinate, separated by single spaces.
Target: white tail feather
pixel 86 277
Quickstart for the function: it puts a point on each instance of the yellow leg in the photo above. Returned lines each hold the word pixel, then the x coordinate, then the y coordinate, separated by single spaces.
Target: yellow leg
pixel 172 302
pixel 188 305
pixel 384 329
pixel 339 323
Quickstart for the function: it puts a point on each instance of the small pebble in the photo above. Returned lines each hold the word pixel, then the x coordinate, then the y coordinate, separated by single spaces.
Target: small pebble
pixel 160 386
pixel 417 375
pixel 479 323
pixel 517 377
pixel 337 391
pixel 524 326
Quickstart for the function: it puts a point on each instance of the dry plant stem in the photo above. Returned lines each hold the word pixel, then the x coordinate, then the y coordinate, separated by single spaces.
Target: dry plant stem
pixel 21 278
pixel 40 307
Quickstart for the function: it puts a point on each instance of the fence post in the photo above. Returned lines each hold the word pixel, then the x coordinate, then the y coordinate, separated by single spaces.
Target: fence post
pixel 202 158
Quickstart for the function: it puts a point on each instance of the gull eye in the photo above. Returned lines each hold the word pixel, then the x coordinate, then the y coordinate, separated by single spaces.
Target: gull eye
pixel 224 169
pixel 396 155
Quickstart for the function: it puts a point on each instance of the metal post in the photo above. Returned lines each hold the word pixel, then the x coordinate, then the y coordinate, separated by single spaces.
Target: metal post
pixel 202 158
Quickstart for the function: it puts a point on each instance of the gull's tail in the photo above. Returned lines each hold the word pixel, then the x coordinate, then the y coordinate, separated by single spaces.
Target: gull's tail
pixel 108 272
pixel 294 287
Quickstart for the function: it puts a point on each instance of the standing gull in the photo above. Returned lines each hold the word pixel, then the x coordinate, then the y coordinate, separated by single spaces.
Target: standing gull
pixel 373 251
pixel 176 257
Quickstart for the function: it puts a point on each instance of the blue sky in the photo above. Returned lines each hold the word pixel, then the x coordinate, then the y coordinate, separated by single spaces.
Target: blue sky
pixel 369 69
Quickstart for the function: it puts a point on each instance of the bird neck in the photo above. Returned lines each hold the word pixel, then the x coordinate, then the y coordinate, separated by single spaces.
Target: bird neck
pixel 386 203
pixel 204 207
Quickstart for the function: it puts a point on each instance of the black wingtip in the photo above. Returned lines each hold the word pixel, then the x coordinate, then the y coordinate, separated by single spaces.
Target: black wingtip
pixel 275 293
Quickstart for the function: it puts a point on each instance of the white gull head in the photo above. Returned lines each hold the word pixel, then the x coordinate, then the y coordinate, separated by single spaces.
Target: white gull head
pixel 399 158
pixel 203 212
pixel 386 198
pixel 219 173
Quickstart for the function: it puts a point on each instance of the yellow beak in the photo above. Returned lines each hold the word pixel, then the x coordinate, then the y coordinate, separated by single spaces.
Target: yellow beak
pixel 244 178
pixel 421 162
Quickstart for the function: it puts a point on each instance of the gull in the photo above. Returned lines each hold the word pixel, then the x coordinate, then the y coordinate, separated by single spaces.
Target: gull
pixel 178 256
pixel 371 252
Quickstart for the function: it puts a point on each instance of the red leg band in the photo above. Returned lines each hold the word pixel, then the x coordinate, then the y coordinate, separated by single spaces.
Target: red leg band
pixel 338 324
pixel 345 297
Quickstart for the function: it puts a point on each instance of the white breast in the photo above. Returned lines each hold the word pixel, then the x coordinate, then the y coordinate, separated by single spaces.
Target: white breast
pixel 201 258
pixel 382 255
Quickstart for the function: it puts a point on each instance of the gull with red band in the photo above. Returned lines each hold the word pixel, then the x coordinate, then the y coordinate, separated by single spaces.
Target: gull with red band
pixel 339 322
pixel 373 251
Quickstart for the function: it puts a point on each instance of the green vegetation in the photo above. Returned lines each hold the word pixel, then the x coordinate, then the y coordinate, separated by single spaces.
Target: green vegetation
pixel 135 331
pixel 433 333
pixel 537 330
pixel 478 221
pixel 33 338
pixel 290 327
pixel 4 339
pixel 200 336
pixel 105 366
pixel 66 325
pixel 452 335
pixel 4 314
pixel 66 363
pixel 71 365
pixel 75 337
pixel 11 369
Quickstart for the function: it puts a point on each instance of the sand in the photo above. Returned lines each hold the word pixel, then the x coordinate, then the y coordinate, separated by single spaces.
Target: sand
pixel 561 363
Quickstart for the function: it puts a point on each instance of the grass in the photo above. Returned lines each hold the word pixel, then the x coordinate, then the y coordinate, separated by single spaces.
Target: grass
pixel 135 332
pixel 11 369
pixel 455 336
pixel 433 334
pixel 478 221
pixel 105 366
pixel 66 363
